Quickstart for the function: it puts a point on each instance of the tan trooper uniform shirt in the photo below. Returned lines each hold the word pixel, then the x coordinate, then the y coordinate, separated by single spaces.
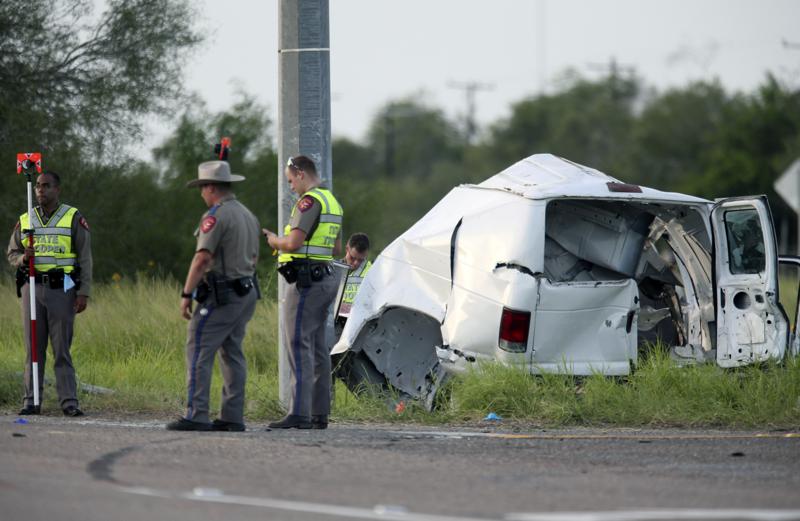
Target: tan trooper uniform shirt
pixel 306 215
pixel 81 244
pixel 230 232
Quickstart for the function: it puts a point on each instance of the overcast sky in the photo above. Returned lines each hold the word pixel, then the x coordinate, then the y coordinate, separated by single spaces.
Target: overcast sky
pixel 383 50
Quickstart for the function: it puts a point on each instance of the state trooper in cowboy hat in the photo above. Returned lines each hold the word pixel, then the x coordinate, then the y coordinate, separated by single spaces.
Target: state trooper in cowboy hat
pixel 221 279
pixel 214 172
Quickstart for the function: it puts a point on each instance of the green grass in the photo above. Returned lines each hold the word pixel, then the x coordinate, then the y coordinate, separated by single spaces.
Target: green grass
pixel 131 339
pixel 657 394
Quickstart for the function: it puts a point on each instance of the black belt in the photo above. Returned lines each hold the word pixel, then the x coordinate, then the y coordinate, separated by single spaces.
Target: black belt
pixel 304 272
pixel 54 280
pixel 221 288
pixel 241 285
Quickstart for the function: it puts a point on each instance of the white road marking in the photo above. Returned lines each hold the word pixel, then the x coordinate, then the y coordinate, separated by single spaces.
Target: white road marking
pixel 400 513
pixel 379 512
pixel 658 515
pixel 604 436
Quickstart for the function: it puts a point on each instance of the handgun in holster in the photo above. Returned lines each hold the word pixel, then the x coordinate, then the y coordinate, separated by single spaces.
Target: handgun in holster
pixel 22 278
pixel 303 274
pixel 202 292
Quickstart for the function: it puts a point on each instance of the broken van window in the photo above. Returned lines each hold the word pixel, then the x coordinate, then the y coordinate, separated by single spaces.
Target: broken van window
pixel 745 241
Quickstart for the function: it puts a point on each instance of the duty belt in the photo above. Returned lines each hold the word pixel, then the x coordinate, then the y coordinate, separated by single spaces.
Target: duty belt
pixel 53 279
pixel 222 288
pixel 303 272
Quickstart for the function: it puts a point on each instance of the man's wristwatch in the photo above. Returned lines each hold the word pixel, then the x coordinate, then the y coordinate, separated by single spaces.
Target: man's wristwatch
pixel 185 295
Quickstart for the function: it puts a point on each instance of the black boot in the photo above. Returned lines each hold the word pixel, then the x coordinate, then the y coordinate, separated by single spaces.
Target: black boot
pixel 226 426
pixel 292 421
pixel 182 424
pixel 72 411
pixel 31 409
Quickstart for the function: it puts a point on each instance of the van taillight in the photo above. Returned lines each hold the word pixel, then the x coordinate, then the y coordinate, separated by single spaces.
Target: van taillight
pixel 514 326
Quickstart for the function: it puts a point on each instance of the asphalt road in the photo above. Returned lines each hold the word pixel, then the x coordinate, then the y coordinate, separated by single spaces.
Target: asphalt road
pixel 115 469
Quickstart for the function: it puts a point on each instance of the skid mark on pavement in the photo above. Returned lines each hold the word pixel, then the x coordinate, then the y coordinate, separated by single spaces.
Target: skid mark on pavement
pixel 102 468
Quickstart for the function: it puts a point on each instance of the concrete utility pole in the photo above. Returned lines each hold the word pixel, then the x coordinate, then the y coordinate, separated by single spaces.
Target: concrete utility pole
pixel 304 117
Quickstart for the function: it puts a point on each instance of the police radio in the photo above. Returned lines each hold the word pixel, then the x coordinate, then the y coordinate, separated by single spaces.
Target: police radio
pixel 222 148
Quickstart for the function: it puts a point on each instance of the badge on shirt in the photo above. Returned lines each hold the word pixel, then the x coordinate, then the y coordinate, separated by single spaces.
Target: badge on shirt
pixel 82 222
pixel 208 224
pixel 305 203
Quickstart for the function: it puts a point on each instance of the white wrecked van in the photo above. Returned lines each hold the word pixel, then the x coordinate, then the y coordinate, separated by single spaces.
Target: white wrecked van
pixel 561 268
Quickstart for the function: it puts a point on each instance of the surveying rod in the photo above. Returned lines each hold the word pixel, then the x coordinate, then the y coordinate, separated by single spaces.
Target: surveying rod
pixel 26 162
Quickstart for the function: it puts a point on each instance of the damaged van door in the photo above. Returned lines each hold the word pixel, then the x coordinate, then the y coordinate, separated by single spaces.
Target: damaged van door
pixel 752 326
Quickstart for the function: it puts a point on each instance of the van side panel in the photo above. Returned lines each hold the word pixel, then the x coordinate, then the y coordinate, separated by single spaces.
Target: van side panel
pixel 586 327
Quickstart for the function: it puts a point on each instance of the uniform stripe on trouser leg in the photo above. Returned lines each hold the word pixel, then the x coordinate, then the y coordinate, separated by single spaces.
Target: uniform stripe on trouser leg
pixel 198 334
pixel 298 358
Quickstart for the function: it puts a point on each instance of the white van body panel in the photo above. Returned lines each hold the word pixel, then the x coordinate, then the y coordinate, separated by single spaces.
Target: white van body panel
pixel 600 265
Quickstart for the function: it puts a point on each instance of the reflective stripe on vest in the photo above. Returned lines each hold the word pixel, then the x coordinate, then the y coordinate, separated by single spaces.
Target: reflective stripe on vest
pixel 354 282
pixel 52 240
pixel 321 243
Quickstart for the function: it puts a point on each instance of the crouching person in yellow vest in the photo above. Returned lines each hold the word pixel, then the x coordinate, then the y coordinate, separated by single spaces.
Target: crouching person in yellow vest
pixel 308 245
pixel 356 253
pixel 63 265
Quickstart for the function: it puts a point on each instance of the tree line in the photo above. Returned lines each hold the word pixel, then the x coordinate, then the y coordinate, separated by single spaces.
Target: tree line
pixel 77 91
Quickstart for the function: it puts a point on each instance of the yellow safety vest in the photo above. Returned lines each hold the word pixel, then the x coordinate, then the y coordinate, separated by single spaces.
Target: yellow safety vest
pixel 52 240
pixel 354 279
pixel 319 246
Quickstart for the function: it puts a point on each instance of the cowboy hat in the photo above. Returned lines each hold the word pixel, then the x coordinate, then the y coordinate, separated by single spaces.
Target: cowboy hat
pixel 214 172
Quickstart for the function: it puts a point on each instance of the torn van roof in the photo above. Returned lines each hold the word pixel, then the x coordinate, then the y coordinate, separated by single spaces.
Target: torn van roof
pixel 545 176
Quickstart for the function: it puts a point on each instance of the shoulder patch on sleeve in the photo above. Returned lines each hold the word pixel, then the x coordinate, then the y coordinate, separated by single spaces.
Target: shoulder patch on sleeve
pixel 305 203
pixel 82 222
pixel 208 224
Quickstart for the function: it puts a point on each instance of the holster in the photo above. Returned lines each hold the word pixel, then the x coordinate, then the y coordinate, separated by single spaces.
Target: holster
pixel 223 288
pixel 22 278
pixel 202 292
pixel 289 272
